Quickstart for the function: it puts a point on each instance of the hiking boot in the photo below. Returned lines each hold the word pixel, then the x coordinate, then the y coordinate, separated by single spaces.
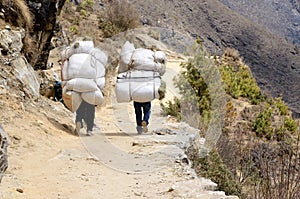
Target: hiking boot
pixel 89 133
pixel 139 130
pixel 144 125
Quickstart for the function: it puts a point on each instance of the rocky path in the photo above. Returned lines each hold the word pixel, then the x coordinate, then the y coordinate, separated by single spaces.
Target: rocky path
pixel 45 162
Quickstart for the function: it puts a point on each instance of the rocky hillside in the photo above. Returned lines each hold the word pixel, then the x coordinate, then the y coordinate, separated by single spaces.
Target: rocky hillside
pixel 280 17
pixel 273 60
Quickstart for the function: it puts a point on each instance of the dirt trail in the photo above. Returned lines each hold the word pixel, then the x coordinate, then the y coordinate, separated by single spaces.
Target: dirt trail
pixel 46 162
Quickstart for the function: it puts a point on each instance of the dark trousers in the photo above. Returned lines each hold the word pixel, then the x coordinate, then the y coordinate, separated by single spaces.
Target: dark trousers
pixel 140 108
pixel 86 112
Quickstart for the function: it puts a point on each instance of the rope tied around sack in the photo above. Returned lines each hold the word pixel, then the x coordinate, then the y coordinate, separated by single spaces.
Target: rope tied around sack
pixel 153 84
pixel 130 95
pixel 131 62
pixel 155 69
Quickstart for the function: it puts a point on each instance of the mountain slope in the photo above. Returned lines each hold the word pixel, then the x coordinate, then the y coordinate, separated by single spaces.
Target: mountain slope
pixel 273 61
pixel 281 17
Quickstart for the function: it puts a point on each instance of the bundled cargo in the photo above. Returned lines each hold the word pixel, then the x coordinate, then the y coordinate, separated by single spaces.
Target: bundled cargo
pixel 139 74
pixel 141 59
pixel 83 65
pixel 140 86
pixel 83 74
pixel 81 85
pixel 94 97
pixel 77 48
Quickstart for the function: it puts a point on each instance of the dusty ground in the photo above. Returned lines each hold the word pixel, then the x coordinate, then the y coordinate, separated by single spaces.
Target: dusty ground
pixel 47 161
pixel 59 165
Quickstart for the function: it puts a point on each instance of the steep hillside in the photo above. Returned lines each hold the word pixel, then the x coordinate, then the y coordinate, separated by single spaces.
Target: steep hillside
pixel 273 61
pixel 281 17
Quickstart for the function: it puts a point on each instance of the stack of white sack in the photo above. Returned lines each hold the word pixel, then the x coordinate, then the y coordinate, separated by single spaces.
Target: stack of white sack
pixel 141 59
pixel 140 86
pixel 83 74
pixel 139 74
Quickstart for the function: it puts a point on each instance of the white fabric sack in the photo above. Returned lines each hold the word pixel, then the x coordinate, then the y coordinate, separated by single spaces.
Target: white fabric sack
pixel 147 91
pixel 78 66
pixel 81 85
pixel 141 59
pixel 95 97
pixel 77 47
pixel 140 89
pixel 100 81
pixel 98 61
pixel 160 57
pixel 125 55
pixel 72 100
pixel 99 55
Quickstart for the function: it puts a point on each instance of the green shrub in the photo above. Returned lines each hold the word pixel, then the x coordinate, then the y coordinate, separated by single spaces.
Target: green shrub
pixel 172 108
pixel 280 129
pixel 290 125
pixel 200 86
pixel 83 13
pixel 192 86
pixel 279 103
pixel 239 82
pixel 262 124
pixel 74 29
pixel 86 4
pixel 212 167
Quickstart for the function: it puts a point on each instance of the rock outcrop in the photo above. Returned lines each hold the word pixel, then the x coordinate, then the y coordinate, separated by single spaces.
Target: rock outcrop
pixel 38 19
pixel 16 71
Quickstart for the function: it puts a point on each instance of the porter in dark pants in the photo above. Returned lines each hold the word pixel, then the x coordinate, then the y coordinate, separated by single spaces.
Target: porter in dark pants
pixel 85 112
pixel 142 114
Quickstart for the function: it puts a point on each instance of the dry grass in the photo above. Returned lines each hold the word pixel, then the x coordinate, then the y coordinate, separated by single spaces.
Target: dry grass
pixel 21 14
pixel 231 52
pixel 120 16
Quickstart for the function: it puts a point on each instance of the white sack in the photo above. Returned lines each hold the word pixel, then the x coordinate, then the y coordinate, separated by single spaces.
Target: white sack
pixel 72 100
pixel 78 66
pixel 95 97
pixel 100 82
pixel 81 85
pixel 77 47
pixel 139 89
pixel 141 59
pixel 160 57
pixel 125 55
pixel 99 55
pixel 98 61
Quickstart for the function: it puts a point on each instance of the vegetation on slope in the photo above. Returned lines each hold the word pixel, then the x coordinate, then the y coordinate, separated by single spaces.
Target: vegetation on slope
pixel 257 155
